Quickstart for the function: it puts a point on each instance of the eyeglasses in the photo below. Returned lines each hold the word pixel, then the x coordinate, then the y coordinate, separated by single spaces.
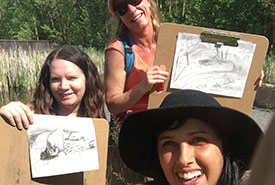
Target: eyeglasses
pixel 122 8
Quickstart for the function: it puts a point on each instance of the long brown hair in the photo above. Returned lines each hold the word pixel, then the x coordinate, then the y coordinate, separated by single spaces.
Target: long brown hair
pixel 92 104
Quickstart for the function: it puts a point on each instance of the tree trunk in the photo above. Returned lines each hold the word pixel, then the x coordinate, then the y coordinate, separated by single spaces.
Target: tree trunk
pixel 183 8
pixel 272 44
pixel 170 6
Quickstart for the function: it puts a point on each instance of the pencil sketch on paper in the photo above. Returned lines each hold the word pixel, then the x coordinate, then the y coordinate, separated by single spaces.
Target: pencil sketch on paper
pixel 60 145
pixel 212 68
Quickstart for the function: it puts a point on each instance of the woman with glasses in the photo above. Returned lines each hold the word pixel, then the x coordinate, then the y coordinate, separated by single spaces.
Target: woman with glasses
pixel 138 21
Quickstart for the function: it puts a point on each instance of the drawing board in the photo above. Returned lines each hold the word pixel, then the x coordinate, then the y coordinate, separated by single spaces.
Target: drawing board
pixel 263 163
pixel 15 162
pixel 240 67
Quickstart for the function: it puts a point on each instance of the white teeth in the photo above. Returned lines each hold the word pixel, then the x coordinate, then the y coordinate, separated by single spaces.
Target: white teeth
pixel 190 175
pixel 136 18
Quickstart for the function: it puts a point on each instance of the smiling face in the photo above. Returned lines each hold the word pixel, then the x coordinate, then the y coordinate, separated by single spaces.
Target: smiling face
pixel 67 83
pixel 191 154
pixel 136 17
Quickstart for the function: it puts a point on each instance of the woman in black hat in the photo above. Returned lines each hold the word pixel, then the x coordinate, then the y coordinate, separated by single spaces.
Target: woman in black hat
pixel 190 139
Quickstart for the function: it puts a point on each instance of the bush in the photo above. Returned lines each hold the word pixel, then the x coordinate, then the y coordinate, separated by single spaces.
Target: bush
pixel 269 68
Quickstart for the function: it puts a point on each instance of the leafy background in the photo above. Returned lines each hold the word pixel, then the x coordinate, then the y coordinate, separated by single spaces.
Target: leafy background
pixel 88 23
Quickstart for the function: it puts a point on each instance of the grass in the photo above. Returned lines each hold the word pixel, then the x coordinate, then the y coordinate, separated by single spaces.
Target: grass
pixel 98 58
pixel 19 74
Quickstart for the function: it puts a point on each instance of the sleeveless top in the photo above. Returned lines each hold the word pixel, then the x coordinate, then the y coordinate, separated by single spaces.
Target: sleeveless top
pixel 136 76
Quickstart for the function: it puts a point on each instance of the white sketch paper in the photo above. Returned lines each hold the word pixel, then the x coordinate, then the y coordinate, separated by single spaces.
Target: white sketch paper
pixel 61 145
pixel 207 67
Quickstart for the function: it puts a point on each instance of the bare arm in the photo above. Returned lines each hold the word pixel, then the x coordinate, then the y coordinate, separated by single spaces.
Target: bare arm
pixel 260 80
pixel 117 100
pixel 115 76
pixel 17 114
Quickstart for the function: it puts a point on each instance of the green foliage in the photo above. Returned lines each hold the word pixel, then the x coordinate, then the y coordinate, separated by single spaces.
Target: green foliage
pixel 269 68
pixel 19 20
pixel 59 21
pixel 87 23
pixel 254 16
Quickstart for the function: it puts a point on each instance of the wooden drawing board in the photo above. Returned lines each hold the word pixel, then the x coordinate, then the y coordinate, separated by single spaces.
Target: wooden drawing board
pixel 263 163
pixel 165 51
pixel 15 163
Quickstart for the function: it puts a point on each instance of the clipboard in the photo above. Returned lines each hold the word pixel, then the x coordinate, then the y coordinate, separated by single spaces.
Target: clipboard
pixel 165 51
pixel 15 162
pixel 263 163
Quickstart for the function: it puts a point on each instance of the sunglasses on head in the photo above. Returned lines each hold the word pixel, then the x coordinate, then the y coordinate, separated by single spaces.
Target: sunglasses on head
pixel 122 8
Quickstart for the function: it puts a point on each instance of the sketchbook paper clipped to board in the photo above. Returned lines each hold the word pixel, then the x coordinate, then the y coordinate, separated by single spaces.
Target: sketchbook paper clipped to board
pixel 212 68
pixel 61 145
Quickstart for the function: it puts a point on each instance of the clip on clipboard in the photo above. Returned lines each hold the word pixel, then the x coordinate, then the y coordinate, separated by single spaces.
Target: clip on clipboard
pixel 220 38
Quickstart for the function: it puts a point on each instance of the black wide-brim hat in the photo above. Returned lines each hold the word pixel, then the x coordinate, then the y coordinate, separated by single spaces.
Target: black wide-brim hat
pixel 137 139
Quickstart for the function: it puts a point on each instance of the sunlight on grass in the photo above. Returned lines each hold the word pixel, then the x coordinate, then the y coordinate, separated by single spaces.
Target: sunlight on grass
pixel 19 74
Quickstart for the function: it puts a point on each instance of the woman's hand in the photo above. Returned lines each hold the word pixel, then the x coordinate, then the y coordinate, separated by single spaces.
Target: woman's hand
pixel 260 80
pixel 155 75
pixel 17 114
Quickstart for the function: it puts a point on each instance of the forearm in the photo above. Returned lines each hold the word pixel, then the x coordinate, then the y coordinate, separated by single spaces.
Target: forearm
pixel 121 102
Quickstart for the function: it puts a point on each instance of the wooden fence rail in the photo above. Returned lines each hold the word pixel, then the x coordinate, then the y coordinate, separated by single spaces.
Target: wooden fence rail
pixel 25 45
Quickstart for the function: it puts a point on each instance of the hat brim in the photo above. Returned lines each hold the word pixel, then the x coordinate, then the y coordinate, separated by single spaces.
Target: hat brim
pixel 137 135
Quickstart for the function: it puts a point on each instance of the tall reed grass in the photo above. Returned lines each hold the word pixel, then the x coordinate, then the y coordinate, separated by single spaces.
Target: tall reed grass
pixel 97 57
pixel 19 74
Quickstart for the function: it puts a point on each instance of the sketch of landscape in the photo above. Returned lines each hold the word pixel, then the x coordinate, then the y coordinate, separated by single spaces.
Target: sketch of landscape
pixel 61 145
pixel 212 68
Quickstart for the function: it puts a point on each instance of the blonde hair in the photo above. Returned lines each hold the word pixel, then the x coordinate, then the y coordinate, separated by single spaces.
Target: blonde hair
pixel 155 16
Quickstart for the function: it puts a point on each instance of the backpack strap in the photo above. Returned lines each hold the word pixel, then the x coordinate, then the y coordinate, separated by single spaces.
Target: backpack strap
pixel 129 62
pixel 128 52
